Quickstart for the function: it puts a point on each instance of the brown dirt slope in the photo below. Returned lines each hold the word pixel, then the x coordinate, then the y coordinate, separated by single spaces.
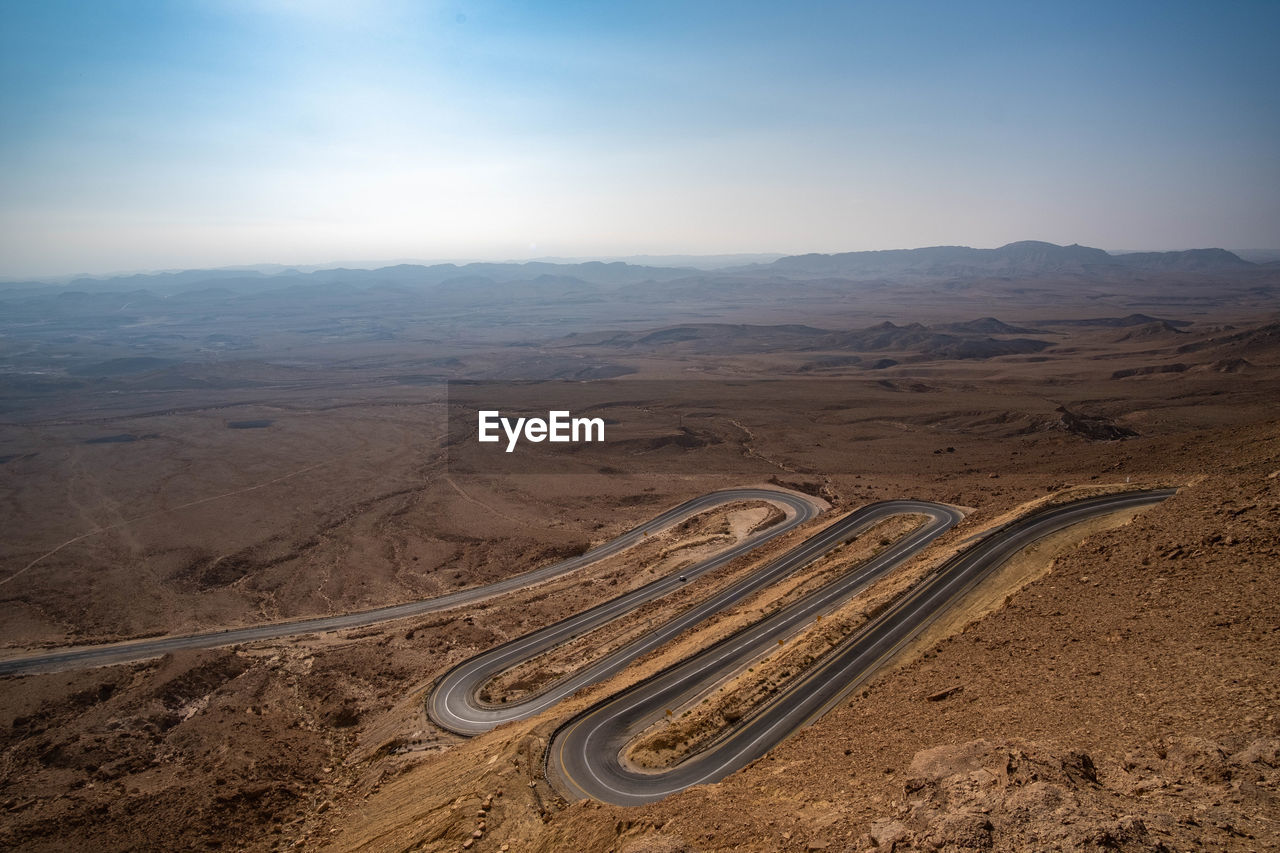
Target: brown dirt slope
pixel 1127 700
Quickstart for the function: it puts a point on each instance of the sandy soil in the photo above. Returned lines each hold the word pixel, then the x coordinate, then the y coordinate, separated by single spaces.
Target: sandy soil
pixel 1115 689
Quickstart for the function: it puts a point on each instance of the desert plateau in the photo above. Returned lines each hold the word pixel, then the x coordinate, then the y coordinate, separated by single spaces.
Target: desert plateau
pixel 1110 686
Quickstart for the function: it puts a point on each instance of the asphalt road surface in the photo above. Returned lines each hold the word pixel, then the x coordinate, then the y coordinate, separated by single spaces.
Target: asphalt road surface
pixel 455 702
pixel 799 508
pixel 585 755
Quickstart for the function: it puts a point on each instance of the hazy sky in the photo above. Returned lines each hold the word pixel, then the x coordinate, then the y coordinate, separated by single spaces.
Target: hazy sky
pixel 144 135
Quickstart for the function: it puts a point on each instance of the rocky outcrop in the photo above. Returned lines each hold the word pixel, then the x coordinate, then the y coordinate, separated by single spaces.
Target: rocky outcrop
pixel 1016 796
pixel 1092 427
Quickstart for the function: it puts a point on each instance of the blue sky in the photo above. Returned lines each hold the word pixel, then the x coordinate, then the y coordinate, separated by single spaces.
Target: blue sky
pixel 143 135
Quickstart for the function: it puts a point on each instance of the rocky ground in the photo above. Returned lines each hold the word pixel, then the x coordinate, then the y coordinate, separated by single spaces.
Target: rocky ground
pixel 1122 698
pixel 1124 701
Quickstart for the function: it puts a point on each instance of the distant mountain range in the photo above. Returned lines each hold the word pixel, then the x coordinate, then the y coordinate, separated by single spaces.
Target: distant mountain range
pixel 1022 258
pixel 1027 258
pixel 959 341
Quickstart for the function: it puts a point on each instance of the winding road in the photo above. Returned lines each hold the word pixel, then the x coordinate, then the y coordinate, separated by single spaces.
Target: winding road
pixel 799 509
pixel 586 755
pixel 455 702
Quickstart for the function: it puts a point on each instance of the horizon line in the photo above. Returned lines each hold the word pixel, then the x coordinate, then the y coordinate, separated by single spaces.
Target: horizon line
pixel 376 264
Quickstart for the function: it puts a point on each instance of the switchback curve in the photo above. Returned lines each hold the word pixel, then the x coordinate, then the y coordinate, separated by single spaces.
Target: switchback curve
pixel 585 756
pixel 455 702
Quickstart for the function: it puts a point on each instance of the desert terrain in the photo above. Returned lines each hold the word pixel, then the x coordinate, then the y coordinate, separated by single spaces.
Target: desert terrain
pixel 194 452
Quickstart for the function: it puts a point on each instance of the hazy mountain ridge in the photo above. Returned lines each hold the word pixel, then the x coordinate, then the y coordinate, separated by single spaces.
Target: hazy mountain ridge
pixel 746 338
pixel 1027 257
pixel 49 332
